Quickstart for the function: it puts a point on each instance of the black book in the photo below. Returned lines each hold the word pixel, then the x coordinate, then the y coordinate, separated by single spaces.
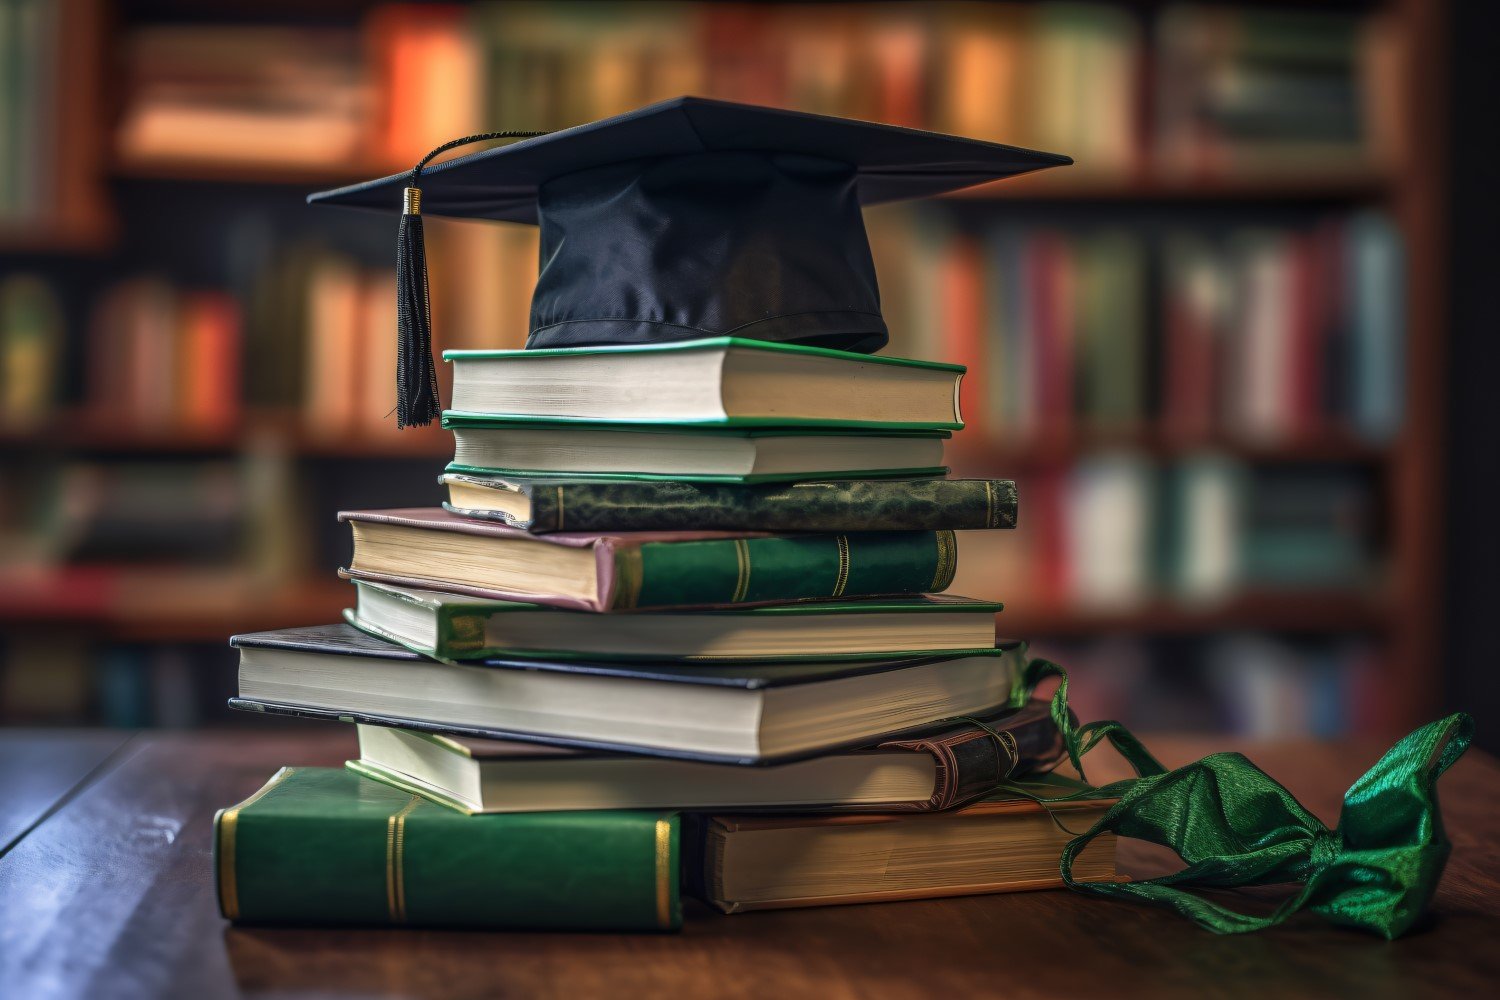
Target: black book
pixel 731 713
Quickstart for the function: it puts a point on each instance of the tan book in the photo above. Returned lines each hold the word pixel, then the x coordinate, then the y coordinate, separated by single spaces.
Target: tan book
pixel 997 845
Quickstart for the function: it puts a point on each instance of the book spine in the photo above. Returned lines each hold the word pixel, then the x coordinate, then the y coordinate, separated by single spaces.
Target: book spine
pixel 385 857
pixel 871 505
pixel 972 760
pixel 776 570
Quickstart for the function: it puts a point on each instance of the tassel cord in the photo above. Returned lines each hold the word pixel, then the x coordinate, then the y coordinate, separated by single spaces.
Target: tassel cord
pixel 417 402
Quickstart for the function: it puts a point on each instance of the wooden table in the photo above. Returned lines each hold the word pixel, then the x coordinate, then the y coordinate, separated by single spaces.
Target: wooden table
pixel 106 890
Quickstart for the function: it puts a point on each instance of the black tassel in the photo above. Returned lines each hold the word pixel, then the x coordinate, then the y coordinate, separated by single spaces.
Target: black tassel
pixel 417 403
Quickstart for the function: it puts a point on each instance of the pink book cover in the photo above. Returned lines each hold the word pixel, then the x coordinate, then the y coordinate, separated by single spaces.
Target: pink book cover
pixel 604 546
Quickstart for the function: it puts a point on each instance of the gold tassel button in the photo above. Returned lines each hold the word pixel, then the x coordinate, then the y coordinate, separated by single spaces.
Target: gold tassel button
pixel 411 201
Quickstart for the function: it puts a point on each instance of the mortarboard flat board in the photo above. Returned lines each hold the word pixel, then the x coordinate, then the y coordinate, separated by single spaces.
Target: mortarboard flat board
pixel 891 163
pixel 687 219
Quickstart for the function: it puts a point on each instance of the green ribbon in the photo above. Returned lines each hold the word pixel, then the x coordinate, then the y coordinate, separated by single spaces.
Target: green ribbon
pixel 1233 825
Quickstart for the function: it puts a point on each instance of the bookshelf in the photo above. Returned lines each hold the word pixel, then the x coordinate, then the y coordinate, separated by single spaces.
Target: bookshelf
pixel 84 248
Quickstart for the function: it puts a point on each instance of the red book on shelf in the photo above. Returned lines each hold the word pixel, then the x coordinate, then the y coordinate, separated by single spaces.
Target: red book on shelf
pixel 898 54
pixel 1050 283
pixel 1045 522
pixel 1191 319
pixel 1304 355
pixel 962 305
pixel 742 44
pixel 1182 402
pixel 208 371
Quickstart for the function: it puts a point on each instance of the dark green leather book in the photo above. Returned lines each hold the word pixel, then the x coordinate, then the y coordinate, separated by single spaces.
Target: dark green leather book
pixel 546 505
pixel 320 846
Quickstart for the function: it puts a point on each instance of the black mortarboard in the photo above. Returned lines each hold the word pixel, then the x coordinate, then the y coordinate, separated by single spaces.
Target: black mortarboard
pixel 685 219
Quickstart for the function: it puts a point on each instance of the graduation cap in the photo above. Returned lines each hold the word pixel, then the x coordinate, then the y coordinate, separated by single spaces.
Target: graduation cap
pixel 686 219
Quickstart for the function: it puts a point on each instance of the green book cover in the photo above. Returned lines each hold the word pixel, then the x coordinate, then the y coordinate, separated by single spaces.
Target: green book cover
pixel 470 628
pixel 324 846
pixel 549 504
pixel 662 569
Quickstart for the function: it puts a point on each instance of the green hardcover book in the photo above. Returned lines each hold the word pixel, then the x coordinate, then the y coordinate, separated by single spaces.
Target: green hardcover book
pixel 430 548
pixel 453 627
pixel 320 846
pixel 541 506
pixel 719 381
pixel 618 450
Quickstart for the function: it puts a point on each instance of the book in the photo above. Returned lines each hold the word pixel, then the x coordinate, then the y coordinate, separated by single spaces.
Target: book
pixel 32 334
pixel 522 447
pixel 542 506
pixel 449 626
pixel 724 381
pixel 741 863
pixel 947 767
pixel 732 713
pixel 319 845
pixel 434 549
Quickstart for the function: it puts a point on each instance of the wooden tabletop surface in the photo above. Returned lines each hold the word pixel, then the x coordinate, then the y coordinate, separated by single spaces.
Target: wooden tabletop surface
pixel 106 890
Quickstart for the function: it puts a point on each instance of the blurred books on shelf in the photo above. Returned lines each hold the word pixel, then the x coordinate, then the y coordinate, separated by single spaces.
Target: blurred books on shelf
pixel 1192 92
pixel 50 66
pixel 1190 349
pixel 249 96
pixel 31 342
pixel 1241 90
pixel 162 357
pixel 1266 336
pixel 1118 532
pixel 1252 684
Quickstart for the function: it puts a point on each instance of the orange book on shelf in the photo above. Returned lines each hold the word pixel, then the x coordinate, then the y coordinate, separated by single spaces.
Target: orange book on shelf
pixel 333 345
pixel 208 370
pixel 376 355
pixel 981 50
pixel 430 77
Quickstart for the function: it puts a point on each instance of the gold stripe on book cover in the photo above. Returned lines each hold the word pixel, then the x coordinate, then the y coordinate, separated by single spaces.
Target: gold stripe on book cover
pixel 664 873
pixel 227 823
pixel 842 581
pixel 947 561
pixel 395 862
pixel 742 559
pixel 628 576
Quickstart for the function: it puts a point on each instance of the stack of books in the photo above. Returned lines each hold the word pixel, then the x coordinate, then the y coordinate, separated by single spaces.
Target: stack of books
pixel 678 628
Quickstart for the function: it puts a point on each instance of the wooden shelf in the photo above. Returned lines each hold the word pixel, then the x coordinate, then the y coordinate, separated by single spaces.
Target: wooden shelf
pixel 1064 184
pixel 233 172
pixel 1070 184
pixel 91 433
pixel 61 237
pixel 204 605
pixel 1314 612
pixel 1055 449
pixel 195 604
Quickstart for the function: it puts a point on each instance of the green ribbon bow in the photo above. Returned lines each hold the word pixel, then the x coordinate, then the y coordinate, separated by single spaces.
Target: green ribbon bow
pixel 1234 825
